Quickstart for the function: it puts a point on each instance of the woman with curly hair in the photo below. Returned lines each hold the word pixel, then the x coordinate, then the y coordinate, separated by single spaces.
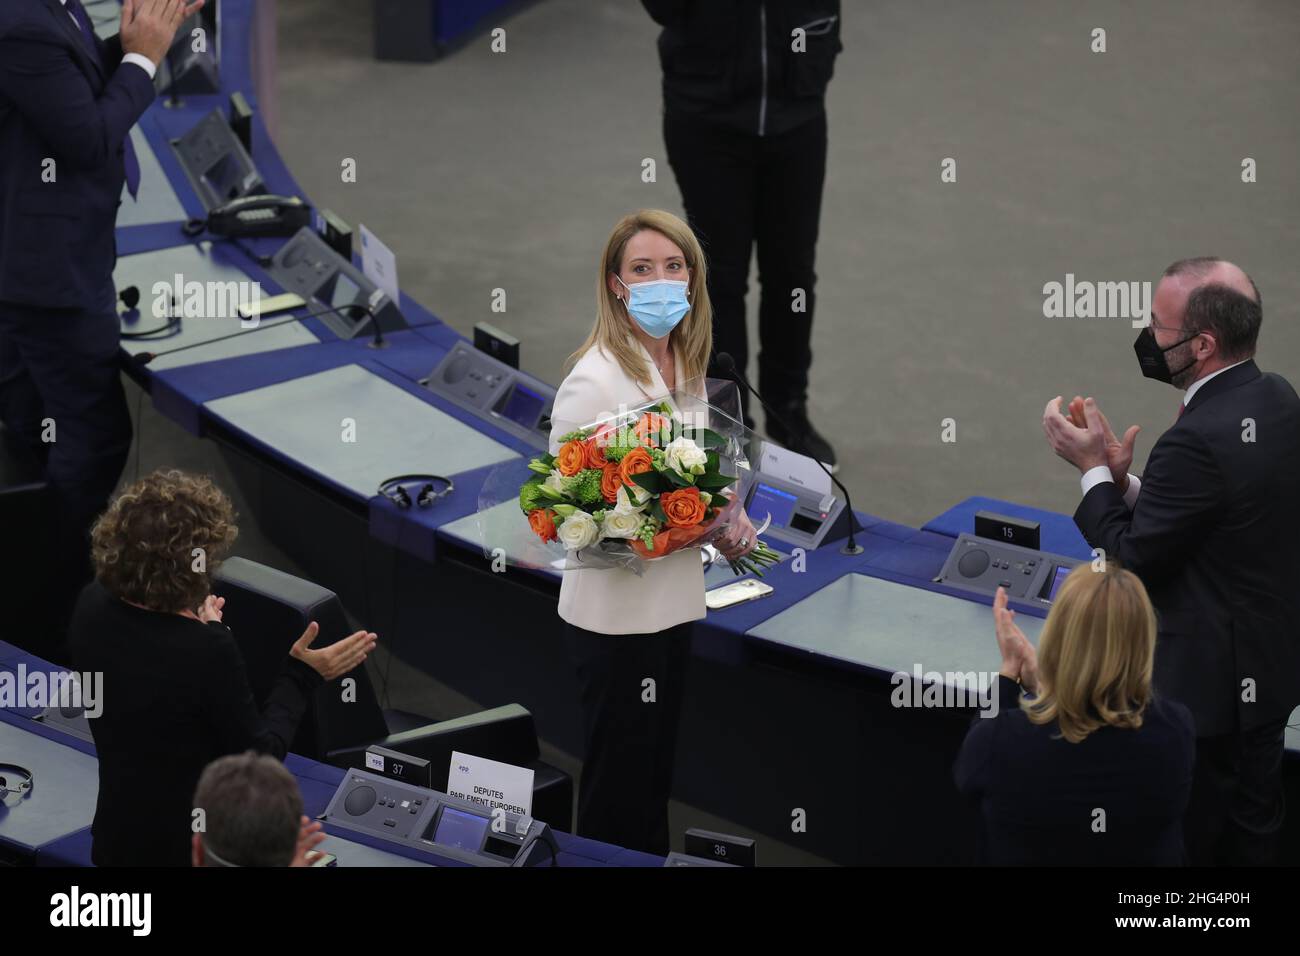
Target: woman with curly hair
pixel 176 695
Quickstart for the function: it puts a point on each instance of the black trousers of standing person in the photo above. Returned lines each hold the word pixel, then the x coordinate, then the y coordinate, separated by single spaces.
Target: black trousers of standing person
pixel 1237 805
pixel 742 189
pixel 61 366
pixel 630 742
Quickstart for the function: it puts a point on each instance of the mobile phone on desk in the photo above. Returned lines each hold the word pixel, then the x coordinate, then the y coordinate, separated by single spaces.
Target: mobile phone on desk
pixel 736 593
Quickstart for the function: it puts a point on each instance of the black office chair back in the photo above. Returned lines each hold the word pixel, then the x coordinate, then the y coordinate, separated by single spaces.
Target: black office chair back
pixel 267 610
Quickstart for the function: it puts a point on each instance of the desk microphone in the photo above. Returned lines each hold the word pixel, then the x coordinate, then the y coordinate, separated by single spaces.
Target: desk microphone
pixel 378 342
pixel 729 368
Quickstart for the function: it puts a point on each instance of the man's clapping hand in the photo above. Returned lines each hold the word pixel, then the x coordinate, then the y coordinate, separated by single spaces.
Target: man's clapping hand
pixel 1119 452
pixel 149 26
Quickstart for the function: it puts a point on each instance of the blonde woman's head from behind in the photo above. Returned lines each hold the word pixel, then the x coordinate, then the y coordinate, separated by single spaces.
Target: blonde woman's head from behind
pixel 1095 654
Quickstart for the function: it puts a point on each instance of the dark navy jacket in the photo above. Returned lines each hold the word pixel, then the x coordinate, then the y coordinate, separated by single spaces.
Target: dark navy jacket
pixel 1213 537
pixel 60 103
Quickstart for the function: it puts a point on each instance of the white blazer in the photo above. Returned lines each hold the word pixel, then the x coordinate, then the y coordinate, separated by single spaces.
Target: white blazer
pixel 614 600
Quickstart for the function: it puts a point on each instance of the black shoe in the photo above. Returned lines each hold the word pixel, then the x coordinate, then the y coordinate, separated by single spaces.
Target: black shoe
pixel 804 438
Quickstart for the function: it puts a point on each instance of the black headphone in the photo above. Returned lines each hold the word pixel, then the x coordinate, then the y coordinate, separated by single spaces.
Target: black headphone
pixel 395 491
pixel 23 786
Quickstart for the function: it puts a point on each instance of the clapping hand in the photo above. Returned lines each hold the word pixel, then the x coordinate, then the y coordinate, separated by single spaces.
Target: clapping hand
pixel 1119 452
pixel 1019 659
pixel 339 658
pixel 149 26
pixel 309 835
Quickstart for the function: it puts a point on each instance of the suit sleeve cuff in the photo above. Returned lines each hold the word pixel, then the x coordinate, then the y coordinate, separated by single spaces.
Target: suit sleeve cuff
pixel 1131 496
pixel 143 62
pixel 1093 477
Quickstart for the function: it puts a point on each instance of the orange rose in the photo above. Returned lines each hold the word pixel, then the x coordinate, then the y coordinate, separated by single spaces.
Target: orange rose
pixel 610 481
pixel 571 459
pixel 683 508
pixel 593 454
pixel 540 520
pixel 633 463
pixel 648 428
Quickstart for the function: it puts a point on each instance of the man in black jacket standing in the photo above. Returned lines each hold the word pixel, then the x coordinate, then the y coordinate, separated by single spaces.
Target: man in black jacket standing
pixel 745 128
pixel 1210 529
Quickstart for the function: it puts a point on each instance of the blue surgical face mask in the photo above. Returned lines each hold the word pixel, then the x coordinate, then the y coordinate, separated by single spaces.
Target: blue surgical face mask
pixel 657 306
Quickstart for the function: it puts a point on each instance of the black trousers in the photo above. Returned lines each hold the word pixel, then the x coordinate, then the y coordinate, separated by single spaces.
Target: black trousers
pixel 59 369
pixel 740 190
pixel 629 732
pixel 1237 806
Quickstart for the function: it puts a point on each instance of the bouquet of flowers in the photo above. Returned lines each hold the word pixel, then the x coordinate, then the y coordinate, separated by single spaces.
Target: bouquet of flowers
pixel 639 485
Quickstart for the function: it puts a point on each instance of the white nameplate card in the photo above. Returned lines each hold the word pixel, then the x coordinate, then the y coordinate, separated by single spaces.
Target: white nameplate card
pixel 490 783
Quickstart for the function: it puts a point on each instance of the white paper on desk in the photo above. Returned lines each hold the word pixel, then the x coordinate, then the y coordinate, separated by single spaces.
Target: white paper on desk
pixel 795 468
pixel 379 265
pixel 490 783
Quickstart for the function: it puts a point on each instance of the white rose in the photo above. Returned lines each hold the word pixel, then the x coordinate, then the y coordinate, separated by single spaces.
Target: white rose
pixel 621 524
pixel 685 457
pixel 577 531
pixel 624 504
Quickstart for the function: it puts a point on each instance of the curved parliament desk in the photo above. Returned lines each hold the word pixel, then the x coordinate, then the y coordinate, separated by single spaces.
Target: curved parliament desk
pixel 789 703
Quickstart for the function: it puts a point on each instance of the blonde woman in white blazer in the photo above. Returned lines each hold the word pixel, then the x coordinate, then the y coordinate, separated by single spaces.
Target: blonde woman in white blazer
pixel 623 630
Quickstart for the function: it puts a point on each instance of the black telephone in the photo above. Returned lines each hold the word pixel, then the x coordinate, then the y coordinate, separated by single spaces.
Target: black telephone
pixel 257 215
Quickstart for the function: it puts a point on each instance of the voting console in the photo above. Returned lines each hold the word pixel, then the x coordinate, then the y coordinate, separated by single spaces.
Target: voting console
pixel 982 565
pixel 495 392
pixel 444 827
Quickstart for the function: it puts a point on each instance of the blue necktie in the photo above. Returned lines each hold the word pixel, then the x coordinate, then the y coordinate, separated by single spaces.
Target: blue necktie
pixel 131 161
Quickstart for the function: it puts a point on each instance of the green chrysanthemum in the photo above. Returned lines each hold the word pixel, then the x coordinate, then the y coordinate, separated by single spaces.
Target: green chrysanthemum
pixel 586 487
pixel 531 497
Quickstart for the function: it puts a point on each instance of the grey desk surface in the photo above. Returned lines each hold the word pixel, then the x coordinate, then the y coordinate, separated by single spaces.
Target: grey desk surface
pixel 62 800
pixel 395 432
pixel 156 200
pixel 194 263
pixel 892 627
pixel 358 854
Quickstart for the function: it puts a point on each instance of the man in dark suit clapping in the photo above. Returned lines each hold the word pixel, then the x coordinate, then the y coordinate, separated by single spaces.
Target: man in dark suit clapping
pixel 1211 529
pixel 68 101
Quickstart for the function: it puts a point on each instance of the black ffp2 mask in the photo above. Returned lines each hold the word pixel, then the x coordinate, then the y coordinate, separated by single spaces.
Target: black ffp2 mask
pixel 1151 357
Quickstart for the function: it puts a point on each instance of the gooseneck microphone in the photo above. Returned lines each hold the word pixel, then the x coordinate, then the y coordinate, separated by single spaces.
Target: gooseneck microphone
pixel 378 342
pixel 729 368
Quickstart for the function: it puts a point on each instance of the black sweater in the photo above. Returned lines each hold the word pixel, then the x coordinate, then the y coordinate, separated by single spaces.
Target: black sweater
pixel 1040 794
pixel 175 697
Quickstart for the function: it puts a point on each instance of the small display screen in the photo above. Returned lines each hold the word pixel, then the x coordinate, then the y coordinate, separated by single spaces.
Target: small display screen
pixel 805 524
pixel 225 177
pixel 522 406
pixel 464 831
pixel 1059 574
pixel 346 292
pixel 768 500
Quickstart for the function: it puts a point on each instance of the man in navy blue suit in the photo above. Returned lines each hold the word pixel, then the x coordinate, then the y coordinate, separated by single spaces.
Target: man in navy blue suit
pixel 68 101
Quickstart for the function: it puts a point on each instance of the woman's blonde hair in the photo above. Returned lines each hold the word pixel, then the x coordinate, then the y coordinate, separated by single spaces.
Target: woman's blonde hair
pixel 1095 654
pixel 692 339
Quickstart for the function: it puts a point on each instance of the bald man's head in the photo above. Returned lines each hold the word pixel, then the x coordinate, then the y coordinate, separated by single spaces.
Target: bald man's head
pixel 1211 295
pixel 1211 270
